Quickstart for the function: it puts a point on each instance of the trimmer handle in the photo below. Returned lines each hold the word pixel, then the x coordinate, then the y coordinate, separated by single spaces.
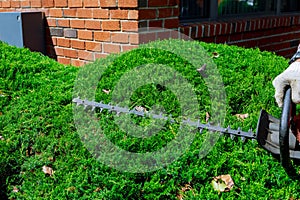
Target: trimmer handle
pixel 288 112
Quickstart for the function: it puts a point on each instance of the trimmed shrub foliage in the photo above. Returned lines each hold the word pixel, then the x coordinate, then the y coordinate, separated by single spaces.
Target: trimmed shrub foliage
pixel 36 124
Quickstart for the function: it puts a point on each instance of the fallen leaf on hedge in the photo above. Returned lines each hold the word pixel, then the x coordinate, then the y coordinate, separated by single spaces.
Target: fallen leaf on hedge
pixel 15 189
pixel 1 137
pixel 207 116
pixel 242 116
pixel 215 55
pixel 106 91
pixel 48 170
pixel 140 109
pixel 223 183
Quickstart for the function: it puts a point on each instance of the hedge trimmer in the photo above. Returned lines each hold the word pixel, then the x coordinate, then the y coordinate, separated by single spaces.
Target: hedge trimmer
pixel 271 133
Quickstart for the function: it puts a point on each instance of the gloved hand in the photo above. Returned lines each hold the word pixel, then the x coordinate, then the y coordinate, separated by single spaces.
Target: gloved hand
pixel 291 76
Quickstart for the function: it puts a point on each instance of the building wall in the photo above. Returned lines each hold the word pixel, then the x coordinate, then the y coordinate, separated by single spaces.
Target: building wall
pixel 280 34
pixel 80 31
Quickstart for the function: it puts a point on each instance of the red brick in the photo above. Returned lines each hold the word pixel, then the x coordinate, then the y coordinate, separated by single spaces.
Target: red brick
pixel 6 4
pixel 47 3
pixel 23 4
pixel 65 61
pixel 15 4
pixel 93 46
pixel 173 2
pixel 120 37
pixel 36 3
pixel 176 12
pixel 133 14
pixel 100 55
pixel 128 47
pixel 165 12
pixel 147 13
pixel 111 25
pixel 59 51
pixel 77 62
pixel 129 26
pixel 111 48
pixel 63 42
pixel 61 3
pixel 108 3
pixel 157 3
pixel 102 36
pixel 55 12
pixel 71 53
pixel 77 44
pixel 84 13
pixel 77 23
pixel 156 23
pixel 84 34
pixel 63 22
pixel 85 55
pixel 70 12
pixel 147 37
pixel 51 22
pixel 101 13
pixel 134 38
pixel 119 14
pixel 91 3
pixel 93 24
pixel 128 3
pixel 75 3
pixel 171 23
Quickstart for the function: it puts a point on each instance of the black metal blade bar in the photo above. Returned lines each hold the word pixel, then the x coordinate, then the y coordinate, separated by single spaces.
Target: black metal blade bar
pixel 232 132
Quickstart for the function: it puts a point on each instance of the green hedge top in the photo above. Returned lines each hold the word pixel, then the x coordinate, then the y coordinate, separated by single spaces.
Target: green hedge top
pixel 36 124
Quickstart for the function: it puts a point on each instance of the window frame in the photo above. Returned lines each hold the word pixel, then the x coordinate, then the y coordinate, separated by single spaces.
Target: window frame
pixel 213 13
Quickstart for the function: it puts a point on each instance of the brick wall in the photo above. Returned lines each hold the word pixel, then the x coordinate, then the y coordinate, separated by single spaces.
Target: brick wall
pixel 78 31
pixel 279 34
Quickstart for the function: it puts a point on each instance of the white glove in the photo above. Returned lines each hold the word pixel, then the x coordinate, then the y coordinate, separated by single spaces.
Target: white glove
pixel 291 76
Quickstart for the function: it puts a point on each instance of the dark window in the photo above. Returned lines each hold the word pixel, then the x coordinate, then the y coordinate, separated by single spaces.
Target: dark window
pixel 191 9
pixel 234 7
pixel 212 9
pixel 290 5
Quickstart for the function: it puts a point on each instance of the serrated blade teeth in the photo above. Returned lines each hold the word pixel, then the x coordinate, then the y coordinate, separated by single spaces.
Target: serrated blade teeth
pixel 232 137
pixel 243 139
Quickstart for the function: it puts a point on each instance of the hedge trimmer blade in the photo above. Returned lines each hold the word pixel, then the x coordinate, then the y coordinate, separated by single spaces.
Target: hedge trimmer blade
pixel 121 110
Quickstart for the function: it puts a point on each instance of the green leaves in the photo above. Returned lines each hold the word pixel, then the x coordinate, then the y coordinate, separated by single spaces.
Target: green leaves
pixel 38 129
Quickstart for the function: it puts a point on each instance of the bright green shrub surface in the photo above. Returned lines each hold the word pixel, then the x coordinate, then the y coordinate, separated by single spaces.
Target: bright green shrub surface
pixel 36 122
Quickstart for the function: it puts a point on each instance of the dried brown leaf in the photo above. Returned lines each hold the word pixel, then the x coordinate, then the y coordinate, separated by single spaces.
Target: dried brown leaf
pixel 215 55
pixel 15 189
pixel 222 183
pixel 140 109
pixel 207 116
pixel 242 116
pixel 48 170
pixel 106 91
